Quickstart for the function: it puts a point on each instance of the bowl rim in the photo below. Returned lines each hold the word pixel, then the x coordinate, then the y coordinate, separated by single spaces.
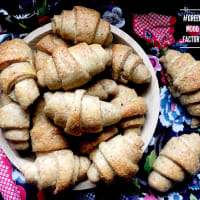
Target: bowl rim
pixel 45 29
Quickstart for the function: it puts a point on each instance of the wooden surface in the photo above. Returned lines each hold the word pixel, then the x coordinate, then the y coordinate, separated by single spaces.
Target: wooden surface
pixel 151 95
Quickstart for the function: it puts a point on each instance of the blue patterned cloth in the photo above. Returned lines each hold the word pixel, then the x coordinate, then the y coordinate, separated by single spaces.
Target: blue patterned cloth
pixel 173 120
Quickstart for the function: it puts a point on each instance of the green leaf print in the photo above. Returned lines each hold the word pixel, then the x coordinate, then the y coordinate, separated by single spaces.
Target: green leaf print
pixel 150 159
pixel 43 9
pixel 192 197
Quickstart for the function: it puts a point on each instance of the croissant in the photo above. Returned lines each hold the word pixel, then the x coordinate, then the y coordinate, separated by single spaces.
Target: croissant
pixel 15 121
pixel 72 67
pixel 18 73
pixel 103 89
pixel 110 162
pixel 182 73
pixel 56 171
pixel 180 154
pixel 79 113
pixel 128 66
pixel 44 49
pixel 44 135
pixel 82 25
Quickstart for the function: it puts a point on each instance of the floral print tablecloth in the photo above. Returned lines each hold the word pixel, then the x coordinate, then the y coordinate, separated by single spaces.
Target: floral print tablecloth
pixel 155 37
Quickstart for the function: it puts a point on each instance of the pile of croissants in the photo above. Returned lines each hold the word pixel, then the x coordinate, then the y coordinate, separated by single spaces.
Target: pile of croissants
pixel 70 102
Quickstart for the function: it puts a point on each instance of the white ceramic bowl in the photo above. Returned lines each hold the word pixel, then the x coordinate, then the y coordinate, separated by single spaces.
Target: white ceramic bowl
pixel 151 95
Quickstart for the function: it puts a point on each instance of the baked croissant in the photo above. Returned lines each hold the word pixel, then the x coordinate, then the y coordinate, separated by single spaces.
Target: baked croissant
pixel 128 66
pixel 72 67
pixel 103 89
pixel 18 73
pixel 82 25
pixel 125 96
pixel 56 171
pixel 44 49
pixel 182 73
pixel 117 157
pixel 44 135
pixel 15 123
pixel 108 160
pixel 180 154
pixel 79 113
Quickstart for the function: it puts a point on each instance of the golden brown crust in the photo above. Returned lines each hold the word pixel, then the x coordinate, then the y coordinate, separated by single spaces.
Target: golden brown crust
pixel 103 88
pixel 15 73
pixel 94 114
pixel 180 154
pixel 73 75
pixel 190 98
pixel 13 51
pixel 123 167
pixel 82 25
pixel 193 141
pixel 55 170
pixel 169 169
pixel 182 72
pixel 103 169
pixel 175 149
pixel 69 68
pixel 49 42
pixel 87 145
pixel 18 119
pixel 134 108
pixel 87 21
pixel 119 55
pixel 133 122
pixel 65 164
pixel 26 92
pixel 90 122
pixel 189 80
pixel 16 63
pixel 128 66
pixel 73 125
pixel 44 135
pixel 110 162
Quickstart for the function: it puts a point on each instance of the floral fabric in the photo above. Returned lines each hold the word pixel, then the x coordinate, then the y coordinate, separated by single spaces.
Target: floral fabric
pixel 154 32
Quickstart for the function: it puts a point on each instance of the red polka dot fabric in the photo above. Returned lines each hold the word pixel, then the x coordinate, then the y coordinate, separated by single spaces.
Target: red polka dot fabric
pixel 155 28
pixel 9 190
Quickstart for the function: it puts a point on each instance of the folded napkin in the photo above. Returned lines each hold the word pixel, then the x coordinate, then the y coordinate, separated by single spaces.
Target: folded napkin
pixel 155 28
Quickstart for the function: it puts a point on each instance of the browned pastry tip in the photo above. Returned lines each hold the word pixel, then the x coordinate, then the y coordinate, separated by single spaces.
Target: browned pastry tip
pixel 134 108
pixel 103 88
pixel 45 136
pixel 86 146
pixel 49 42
